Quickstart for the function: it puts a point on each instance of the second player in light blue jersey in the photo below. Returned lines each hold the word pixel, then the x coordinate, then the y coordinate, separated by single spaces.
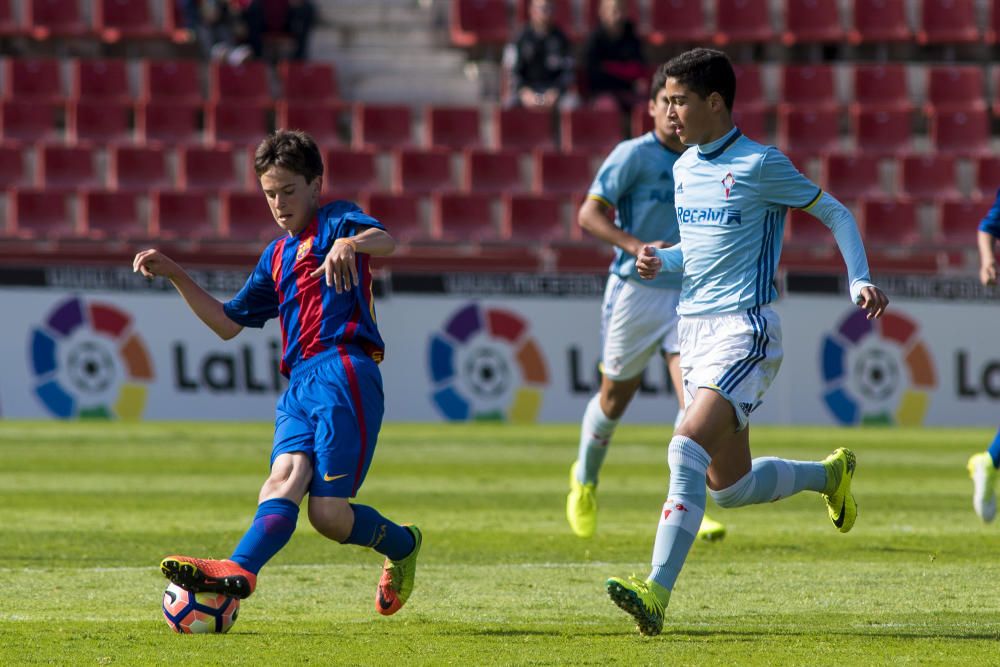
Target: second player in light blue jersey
pixel 639 318
pixel 731 196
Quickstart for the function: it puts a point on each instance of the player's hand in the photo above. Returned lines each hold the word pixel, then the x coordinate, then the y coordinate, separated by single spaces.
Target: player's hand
pixel 635 249
pixel 874 301
pixel 988 274
pixel 340 266
pixel 151 263
pixel 647 263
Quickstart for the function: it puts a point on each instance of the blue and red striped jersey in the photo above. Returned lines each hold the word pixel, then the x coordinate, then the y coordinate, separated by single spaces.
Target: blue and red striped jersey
pixel 313 317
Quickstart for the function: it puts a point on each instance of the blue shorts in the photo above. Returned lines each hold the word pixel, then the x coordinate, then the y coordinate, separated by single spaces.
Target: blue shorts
pixel 332 410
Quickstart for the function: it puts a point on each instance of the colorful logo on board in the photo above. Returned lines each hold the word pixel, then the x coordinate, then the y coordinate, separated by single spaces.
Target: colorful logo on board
pixel 877 371
pixel 486 366
pixel 88 363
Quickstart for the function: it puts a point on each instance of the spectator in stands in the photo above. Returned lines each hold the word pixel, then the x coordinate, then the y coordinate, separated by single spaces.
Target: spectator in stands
pixel 983 466
pixel 614 67
pixel 233 30
pixel 540 63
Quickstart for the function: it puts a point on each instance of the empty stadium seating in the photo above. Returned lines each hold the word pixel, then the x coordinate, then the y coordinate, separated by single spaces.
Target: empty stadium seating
pixel 382 126
pixel 104 79
pixel 58 166
pixel 42 213
pixel 523 129
pixel 738 21
pixel 459 217
pixel 676 21
pixel 452 127
pixel 590 130
pixel 849 176
pixel 816 130
pixel 479 23
pixel 927 176
pixel 533 218
pixel 115 20
pixel 879 21
pixel 948 22
pixel 421 171
pixel 811 21
pixel 206 169
pixel 49 19
pixel 562 173
pixel 492 171
pixel 244 216
pixel 349 170
pixel 958 219
pixel 112 216
pixel 138 168
pixel 876 86
pixel 399 212
pixel 181 216
pixel 888 223
pixel 965 132
pixel 98 121
pixel 322 122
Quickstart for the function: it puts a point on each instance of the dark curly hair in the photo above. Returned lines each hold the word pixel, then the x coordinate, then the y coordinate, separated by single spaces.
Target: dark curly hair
pixel 704 71
pixel 293 150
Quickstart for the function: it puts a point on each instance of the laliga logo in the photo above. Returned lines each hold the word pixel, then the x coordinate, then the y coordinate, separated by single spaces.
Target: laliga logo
pixel 485 366
pixel 877 371
pixel 88 363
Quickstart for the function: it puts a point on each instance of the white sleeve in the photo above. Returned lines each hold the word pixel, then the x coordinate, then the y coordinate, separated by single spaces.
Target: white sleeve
pixel 839 220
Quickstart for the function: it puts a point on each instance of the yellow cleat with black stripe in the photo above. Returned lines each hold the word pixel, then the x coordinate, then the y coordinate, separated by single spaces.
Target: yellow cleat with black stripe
pixel 840 503
pixel 646 601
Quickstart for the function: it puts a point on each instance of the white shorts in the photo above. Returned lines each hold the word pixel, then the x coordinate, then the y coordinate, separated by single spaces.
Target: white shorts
pixel 636 322
pixel 734 354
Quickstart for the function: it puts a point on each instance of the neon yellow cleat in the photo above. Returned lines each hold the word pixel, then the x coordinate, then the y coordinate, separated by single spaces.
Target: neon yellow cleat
pixel 646 601
pixel 581 505
pixel 984 476
pixel 396 583
pixel 841 506
pixel 711 530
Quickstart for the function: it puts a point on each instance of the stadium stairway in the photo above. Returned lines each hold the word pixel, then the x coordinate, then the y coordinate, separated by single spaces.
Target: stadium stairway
pixel 393 51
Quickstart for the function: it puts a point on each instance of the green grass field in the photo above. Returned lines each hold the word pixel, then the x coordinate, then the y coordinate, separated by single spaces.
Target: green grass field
pixel 89 509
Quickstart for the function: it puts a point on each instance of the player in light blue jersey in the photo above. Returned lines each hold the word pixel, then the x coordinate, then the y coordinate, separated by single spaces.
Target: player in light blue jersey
pixel 731 195
pixel 635 185
pixel 983 466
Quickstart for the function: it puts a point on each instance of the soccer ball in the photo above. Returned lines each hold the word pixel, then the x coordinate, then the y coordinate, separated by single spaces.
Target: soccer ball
pixel 197 613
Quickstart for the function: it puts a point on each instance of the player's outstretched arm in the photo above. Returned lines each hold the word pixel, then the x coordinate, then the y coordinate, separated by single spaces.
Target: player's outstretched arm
pixel 151 263
pixel 340 264
pixel 987 258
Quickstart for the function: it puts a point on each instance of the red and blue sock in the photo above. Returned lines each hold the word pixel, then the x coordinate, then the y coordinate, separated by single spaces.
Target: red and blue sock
pixel 374 531
pixel 270 531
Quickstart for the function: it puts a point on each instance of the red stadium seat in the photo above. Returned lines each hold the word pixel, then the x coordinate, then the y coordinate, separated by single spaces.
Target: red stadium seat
pixel 492 171
pixel 348 169
pixel 311 82
pixel 9 25
pixel 880 86
pixel 888 222
pixel 581 257
pixel 105 79
pixel 641 122
pixel 533 219
pixel 55 18
pixel 246 84
pixel 381 126
pixel 59 166
pixel 452 127
pixel 987 176
pixel 28 121
pixel 676 21
pixel 849 176
pixel 753 123
pixel 43 214
pixel 32 80
pixel 112 216
pixel 562 173
pixel 590 130
pixel 523 129
pixel 812 21
pixel 244 217
pixel 948 22
pixel 116 20
pixel 809 130
pixel 955 87
pixel 750 92
pixel 12 166
pixel 172 81
pixel 400 213
pixel 877 21
pixel 97 121
pixel 927 176
pixel 464 218
pixel 181 216
pixel 322 121
pixel 992 32
pixel 479 23
pixel 803 230
pixel 235 123
pixel 958 220
pixel 959 131
pixel 138 168
pixel 739 21
pixel 562 16
pixel 206 169
pixel 168 123
pixel 995 79
pixel 882 130
pixel 808 87
pixel 421 171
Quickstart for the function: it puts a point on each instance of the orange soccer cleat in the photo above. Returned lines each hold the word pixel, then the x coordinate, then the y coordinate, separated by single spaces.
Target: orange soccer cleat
pixel 396 584
pixel 203 574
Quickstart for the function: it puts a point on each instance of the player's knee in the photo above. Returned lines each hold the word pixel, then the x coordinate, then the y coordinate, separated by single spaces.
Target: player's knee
pixel 289 478
pixel 331 517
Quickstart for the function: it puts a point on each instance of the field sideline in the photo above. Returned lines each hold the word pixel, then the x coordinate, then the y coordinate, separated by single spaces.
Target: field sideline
pixel 90 508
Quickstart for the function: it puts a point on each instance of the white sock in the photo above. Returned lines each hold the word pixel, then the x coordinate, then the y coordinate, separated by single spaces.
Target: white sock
pixel 595 435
